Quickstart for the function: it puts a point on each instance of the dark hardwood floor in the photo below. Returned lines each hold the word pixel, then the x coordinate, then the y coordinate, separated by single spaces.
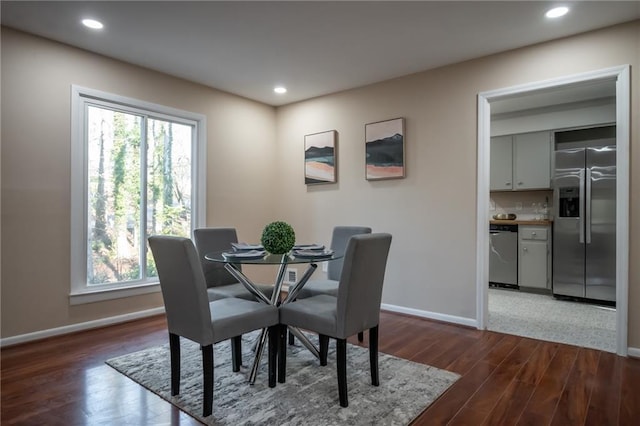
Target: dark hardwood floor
pixel 506 380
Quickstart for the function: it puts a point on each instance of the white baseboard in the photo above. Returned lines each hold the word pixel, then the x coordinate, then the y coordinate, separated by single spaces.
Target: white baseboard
pixel 633 352
pixel 23 338
pixel 470 322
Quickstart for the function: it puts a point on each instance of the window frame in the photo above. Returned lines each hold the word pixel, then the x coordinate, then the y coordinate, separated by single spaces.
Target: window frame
pixel 81 97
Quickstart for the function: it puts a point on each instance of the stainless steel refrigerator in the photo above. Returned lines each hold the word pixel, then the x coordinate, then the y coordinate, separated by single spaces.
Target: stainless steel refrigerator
pixel 584 227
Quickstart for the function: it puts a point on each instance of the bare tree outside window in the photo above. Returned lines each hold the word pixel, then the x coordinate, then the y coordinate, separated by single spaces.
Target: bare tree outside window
pixel 139 184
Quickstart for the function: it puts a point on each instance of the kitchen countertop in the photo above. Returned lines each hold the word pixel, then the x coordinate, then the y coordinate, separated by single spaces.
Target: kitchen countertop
pixel 521 222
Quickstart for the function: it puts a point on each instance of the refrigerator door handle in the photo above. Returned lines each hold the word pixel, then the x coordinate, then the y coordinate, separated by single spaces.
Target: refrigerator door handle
pixel 581 207
pixel 587 207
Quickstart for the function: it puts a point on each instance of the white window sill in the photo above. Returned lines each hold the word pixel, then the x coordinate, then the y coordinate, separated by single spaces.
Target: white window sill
pixel 92 296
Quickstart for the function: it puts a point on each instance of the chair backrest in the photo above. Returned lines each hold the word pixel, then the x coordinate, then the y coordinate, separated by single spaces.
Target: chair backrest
pixel 360 288
pixel 183 288
pixel 339 240
pixel 209 240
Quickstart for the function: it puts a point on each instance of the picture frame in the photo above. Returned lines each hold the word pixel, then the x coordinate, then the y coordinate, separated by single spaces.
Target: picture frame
pixel 320 159
pixel 384 149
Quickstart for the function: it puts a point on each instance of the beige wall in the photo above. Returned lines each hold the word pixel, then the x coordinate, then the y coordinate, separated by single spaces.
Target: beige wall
pixel 432 213
pixel 36 101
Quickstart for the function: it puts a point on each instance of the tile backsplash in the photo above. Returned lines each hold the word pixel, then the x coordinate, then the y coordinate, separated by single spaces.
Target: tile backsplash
pixel 528 205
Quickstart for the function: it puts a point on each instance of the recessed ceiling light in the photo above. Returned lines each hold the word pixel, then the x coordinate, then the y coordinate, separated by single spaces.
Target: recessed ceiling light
pixel 280 90
pixel 557 12
pixel 93 24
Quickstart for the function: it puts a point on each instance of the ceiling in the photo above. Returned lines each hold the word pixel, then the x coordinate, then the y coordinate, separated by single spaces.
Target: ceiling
pixel 311 47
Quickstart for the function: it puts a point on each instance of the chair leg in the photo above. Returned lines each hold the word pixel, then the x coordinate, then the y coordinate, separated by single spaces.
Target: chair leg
pixel 341 355
pixel 373 355
pixel 207 366
pixel 174 349
pixel 291 337
pixel 236 352
pixel 282 353
pixel 324 348
pixel 274 344
pixel 361 336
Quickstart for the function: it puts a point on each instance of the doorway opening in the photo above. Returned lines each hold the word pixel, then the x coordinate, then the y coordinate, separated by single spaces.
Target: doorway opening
pixel 544 94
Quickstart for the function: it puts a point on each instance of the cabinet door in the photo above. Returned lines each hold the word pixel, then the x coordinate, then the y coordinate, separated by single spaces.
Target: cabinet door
pixel 532 161
pixel 533 264
pixel 501 163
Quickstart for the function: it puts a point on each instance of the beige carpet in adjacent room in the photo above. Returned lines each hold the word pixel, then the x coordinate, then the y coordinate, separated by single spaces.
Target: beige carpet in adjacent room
pixel 545 318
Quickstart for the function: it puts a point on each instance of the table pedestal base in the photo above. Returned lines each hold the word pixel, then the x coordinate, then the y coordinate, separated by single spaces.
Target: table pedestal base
pixel 275 300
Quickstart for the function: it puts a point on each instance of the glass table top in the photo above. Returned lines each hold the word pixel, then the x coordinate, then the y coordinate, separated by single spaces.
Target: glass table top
pixel 268 259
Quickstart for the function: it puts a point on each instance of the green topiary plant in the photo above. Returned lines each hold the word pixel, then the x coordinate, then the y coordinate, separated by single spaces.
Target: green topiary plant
pixel 278 237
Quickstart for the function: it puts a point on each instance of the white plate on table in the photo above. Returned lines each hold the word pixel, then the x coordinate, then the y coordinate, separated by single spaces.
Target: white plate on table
pixel 249 254
pixel 312 254
pixel 308 247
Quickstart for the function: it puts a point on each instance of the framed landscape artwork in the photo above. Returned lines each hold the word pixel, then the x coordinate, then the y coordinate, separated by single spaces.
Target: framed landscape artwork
pixel 384 148
pixel 320 158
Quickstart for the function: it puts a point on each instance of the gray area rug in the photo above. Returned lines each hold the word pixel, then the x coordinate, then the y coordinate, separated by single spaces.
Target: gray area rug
pixel 545 318
pixel 309 396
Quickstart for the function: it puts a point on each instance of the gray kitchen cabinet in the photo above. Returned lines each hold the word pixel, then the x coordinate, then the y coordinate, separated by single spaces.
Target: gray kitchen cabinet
pixel 534 256
pixel 532 161
pixel 501 163
pixel 521 162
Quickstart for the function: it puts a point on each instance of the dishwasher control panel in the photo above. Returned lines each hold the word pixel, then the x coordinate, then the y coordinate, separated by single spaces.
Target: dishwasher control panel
pixel 503 228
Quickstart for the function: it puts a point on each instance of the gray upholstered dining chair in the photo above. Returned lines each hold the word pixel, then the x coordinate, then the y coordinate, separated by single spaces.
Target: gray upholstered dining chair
pixel 356 307
pixel 339 239
pixel 190 314
pixel 220 283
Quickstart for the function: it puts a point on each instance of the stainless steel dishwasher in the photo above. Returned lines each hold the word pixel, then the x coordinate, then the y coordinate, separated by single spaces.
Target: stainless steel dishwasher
pixel 503 255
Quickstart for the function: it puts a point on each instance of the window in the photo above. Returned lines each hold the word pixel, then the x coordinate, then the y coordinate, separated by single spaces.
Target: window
pixel 137 170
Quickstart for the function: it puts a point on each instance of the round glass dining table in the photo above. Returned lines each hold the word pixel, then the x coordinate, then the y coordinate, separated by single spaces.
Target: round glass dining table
pixel 232 261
